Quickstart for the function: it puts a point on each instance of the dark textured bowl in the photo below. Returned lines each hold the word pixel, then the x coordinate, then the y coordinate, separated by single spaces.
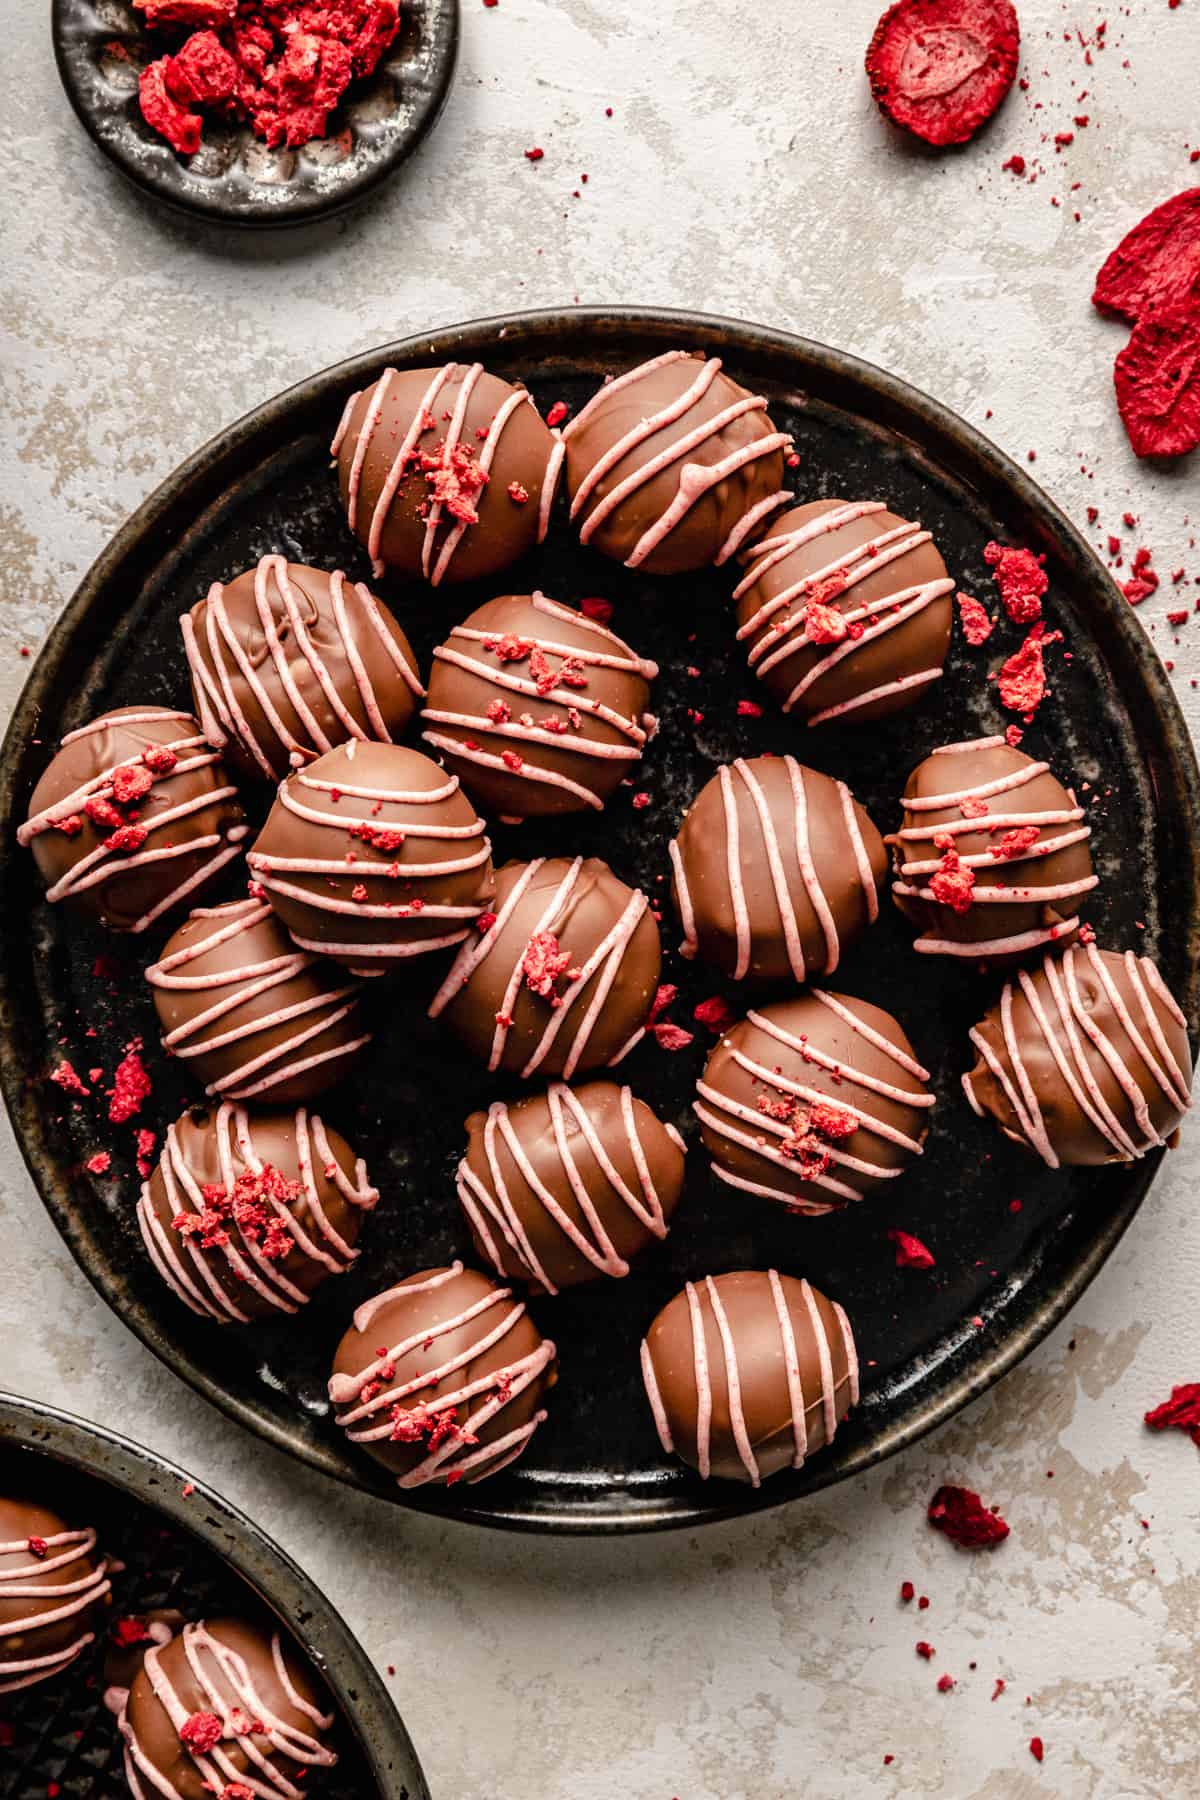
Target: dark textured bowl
pixel 929 1342
pixel 196 1554
pixel 233 179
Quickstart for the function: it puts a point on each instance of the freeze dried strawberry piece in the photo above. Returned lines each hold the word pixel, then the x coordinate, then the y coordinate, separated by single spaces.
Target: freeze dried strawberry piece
pixel 1022 679
pixel 201 1732
pixel 1022 581
pixel 940 68
pixel 1181 1412
pixel 976 624
pixel 911 1253
pixel 544 965
pixel 671 1037
pixel 953 881
pixel 1157 378
pixel 1157 264
pixel 194 13
pixel 203 73
pixel 715 1014
pixel 591 608
pixel 163 113
pixel 960 1515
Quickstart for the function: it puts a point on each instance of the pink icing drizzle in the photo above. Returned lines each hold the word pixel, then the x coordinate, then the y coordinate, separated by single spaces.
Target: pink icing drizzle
pixel 54 1601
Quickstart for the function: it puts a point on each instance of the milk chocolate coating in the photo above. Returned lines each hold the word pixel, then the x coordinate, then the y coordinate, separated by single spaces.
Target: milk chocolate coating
pixel 288 661
pixel 190 816
pixel 568 1185
pixel 495 428
pixel 896 596
pixel 252 1016
pixel 246 1173
pixel 765 1096
pixel 672 518
pixel 440 1379
pixel 1084 1060
pixel 536 708
pixel 972 796
pixel 373 854
pixel 43 1631
pixel 777 871
pixel 226 1669
pixel 594 1010
pixel 716 1363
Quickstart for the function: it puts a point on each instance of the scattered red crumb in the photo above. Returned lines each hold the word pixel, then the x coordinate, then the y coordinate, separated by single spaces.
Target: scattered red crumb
pixel 37 1546
pixel 999 1688
pixel 201 1732
pixel 960 1515
pixel 544 965
pixel 1013 735
pixel 1157 378
pixel 1016 1206
pixel 749 709
pixel 1157 264
pixel 131 1085
pixel 824 624
pixel 907 1590
pixel 1022 678
pixel 665 995
pixel 1021 579
pixel 518 493
pixel 973 616
pixel 485 921
pixel 66 1078
pixel 924 1650
pixel 160 759
pixel 1037 1749
pixel 945 1683
pixel 715 1014
pixel 829 1121
pixel 130 782
pixel 128 1631
pixel 164 114
pixel 187 1490
pixel 1143 580
pixel 911 1253
pixel 1015 165
pixel 1180 1413
pixel 555 416
pixel 534 155
pixel 952 883
pixel 99 1163
pixel 1016 842
pixel 127 839
pixel 672 1037
pixel 144 1145
pixel 513 760
pixel 593 607
pixel 940 68
pixel 640 801
pixel 972 807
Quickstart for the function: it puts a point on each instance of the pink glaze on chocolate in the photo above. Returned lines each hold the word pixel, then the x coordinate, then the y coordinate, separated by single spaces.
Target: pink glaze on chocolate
pixel 53 1602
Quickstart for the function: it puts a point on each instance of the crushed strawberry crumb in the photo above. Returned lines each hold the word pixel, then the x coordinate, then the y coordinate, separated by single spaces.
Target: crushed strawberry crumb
pixel 911 1253
pixel 959 1514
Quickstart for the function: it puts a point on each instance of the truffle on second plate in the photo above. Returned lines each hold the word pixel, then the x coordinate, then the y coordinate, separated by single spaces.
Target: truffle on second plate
pixel 559 978
pixel 846 609
pixel 992 858
pixel 749 1373
pixel 287 661
pixel 672 466
pixel 245 1215
pixel 566 1186
pixel 441 1377
pixel 134 815
pixel 252 1016
pixel 812 1102
pixel 776 870
pixel 372 855
pixel 225 1708
pixel 53 1584
pixel 447 474
pixel 1084 1060
pixel 537 708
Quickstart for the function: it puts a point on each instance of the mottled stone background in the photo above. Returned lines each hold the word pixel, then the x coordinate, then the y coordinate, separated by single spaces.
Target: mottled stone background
pixel 744 170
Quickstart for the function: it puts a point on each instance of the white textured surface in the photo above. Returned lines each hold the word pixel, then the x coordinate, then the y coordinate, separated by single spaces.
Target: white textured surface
pixel 744 170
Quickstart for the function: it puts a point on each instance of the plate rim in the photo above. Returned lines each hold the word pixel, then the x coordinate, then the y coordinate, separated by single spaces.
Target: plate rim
pixel 170 495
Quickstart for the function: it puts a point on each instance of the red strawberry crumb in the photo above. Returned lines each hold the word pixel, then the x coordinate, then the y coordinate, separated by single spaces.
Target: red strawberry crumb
pixel 971 807
pixel 1178 618
pixel 145 1143
pixel 640 801
pixel 1022 679
pixel 485 921
pixel 129 1631
pixel 160 759
pixel 534 155
pixel 1015 165
pixel 911 1253
pixel 517 493
pixel 749 709
pixel 831 1121
pixel 671 1037
pixel 959 1514
pixel 99 1163
pixel 1013 735
pixel 1180 1413
pixel 715 1014
pixel 1037 1749
pixel 555 416
pixel 201 1732
pixel 64 1076
pixel 130 783
pixel 665 995
pixel 926 1651
pixel 999 1688
pixel 37 1546
pixel 512 761
pixel 544 965
pixel 126 839
pixel 1015 843
pixel 131 1085
pixel 499 712
pixel 1021 579
pixel 1016 1206
pixel 187 1490
pixel 601 611
pixel 976 622
pixel 907 1590
pixel 945 1683
pixel 823 624
pixel 952 883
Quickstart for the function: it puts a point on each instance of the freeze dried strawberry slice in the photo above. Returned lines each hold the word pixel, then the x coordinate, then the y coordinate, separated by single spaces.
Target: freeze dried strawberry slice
pixel 940 68
pixel 1157 378
pixel 1155 265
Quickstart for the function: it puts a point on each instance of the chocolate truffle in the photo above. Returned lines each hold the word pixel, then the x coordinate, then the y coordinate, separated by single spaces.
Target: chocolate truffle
pixel 1085 1060
pixel 226 1707
pixel 134 814
pixel 846 610
pixel 373 854
pixel 749 1373
pixel 288 661
pixel 813 1102
pixel 536 708
pixel 776 870
pixel 52 1584
pixel 446 473
pixel 440 1378
pixel 992 856
pixel 560 976
pixel 568 1185
pixel 247 1214
pixel 673 466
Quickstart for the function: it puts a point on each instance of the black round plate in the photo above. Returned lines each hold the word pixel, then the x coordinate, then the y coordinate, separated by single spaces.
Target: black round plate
pixel 930 1342
pixel 194 1553
pixel 233 179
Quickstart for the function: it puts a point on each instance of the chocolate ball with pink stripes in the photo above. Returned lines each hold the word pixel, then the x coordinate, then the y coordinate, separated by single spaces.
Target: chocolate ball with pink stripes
pixel 288 661
pixel 749 1373
pixel 54 1589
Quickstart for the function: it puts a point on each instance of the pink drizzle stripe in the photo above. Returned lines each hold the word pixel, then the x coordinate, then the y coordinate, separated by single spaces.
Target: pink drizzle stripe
pixel 55 1602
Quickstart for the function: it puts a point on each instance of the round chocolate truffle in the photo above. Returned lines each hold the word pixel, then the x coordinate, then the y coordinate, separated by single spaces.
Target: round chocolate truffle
pixel 373 854
pixel 537 708
pixel 52 1584
pixel 749 1373
pixel 776 870
pixel 288 661
pixel 254 1017
pixel 446 473
pixel 440 1378
pixel 134 814
pixel 1085 1060
pixel 246 1214
pixel 561 975
pixel 224 1707
pixel 569 1184
pixel 846 609
pixel 992 857
pixel 813 1102
pixel 673 466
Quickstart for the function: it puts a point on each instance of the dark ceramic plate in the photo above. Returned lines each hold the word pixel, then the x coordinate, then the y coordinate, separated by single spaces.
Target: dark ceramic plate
pixel 233 179
pixel 929 1342
pixel 198 1556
